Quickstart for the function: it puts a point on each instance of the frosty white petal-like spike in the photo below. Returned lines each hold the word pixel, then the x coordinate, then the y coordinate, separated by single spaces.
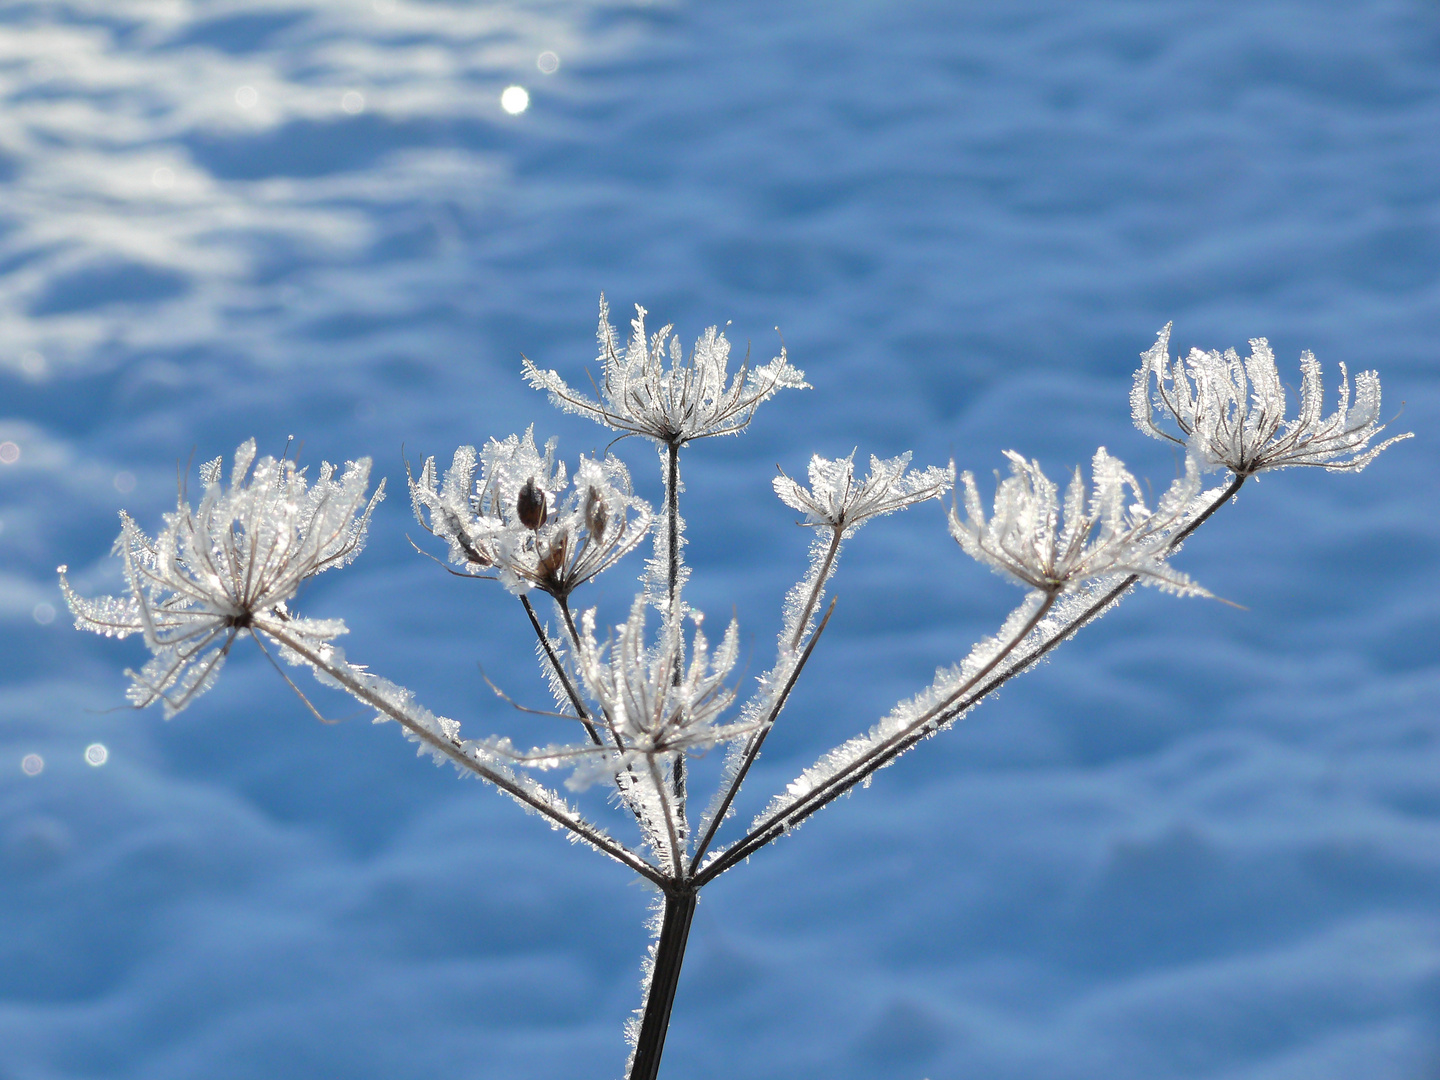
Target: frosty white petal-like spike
pixel 670 398
pixel 1231 412
pixel 214 570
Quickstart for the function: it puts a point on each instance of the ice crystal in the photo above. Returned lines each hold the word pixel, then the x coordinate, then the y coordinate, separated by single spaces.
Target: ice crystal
pixel 214 570
pixel 1028 539
pixel 673 399
pixel 1231 412
pixel 510 523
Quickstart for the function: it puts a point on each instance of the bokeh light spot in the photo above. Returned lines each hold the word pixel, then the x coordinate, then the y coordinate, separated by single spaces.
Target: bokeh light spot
pixel 246 97
pixel 515 100
pixel 163 177
pixel 96 754
pixel 9 453
pixel 548 62
pixel 32 764
pixel 124 482
pixel 44 613
pixel 353 102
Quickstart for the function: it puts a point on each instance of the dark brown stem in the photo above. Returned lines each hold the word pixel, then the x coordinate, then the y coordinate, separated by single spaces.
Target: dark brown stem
pixel 672 522
pixel 669 955
pixel 570 691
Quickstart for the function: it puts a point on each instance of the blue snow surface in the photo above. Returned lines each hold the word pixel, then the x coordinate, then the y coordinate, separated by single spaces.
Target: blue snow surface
pixel 1202 842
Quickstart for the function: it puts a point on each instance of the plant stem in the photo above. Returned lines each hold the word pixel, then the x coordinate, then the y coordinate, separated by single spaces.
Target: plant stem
pixel 672 615
pixel 664 978
pixel 560 670
pixel 672 525
pixel 814 597
pixel 786 818
pixel 534 796
pixel 960 700
pixel 752 751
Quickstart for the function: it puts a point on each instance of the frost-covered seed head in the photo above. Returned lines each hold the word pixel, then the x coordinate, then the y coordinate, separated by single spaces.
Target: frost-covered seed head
pixel 651 702
pixel 670 398
pixel 1231 412
pixel 227 566
pixel 834 498
pixel 501 513
pixel 1027 539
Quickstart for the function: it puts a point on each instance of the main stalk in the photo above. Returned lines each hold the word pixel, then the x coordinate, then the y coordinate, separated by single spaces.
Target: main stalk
pixel 669 955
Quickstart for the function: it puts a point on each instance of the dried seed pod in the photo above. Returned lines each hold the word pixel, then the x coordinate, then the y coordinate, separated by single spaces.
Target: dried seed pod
pixel 531 505
pixel 552 562
pixel 597 515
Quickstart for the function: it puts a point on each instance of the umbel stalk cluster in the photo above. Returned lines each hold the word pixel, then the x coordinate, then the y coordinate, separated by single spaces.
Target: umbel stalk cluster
pixel 649 694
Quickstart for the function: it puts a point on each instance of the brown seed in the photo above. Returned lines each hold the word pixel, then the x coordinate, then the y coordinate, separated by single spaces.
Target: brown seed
pixel 531 505
pixel 553 561
pixel 596 513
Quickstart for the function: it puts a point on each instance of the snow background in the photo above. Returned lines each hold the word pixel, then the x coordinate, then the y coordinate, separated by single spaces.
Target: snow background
pixel 1202 842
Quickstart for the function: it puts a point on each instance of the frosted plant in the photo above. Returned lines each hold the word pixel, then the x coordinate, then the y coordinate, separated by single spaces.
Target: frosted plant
pixel 652 704
pixel 1026 539
pixel 647 705
pixel 213 571
pixel 674 398
pixel 834 502
pixel 1232 412
pixel 654 389
pixel 510 519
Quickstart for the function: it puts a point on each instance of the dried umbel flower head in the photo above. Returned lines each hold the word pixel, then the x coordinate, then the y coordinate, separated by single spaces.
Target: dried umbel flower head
pixel 500 523
pixel 1231 412
pixel 834 497
pixel 652 704
pixel 1026 538
pixel 515 486
pixel 228 566
pixel 672 399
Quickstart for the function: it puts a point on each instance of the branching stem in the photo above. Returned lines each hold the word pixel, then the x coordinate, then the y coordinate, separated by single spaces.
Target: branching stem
pixel 752 751
pixel 452 749
pixel 966 696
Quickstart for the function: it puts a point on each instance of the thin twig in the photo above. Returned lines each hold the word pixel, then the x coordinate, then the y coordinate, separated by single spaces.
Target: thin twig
pixel 815 592
pixel 560 672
